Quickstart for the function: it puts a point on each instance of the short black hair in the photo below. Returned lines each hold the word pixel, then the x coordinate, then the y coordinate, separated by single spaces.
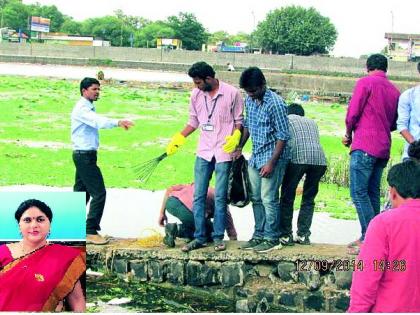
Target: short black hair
pixel 295 109
pixel 414 150
pixel 404 177
pixel 86 83
pixel 377 62
pixel 201 70
pixel 42 206
pixel 252 77
pixel 418 67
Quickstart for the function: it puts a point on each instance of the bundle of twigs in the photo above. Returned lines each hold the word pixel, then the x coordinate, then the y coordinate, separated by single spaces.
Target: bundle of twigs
pixel 144 170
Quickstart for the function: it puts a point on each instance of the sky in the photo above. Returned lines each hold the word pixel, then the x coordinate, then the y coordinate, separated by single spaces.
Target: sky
pixel 361 24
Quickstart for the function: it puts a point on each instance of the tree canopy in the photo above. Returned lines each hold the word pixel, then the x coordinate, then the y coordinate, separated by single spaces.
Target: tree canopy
pixel 296 30
pixel 188 29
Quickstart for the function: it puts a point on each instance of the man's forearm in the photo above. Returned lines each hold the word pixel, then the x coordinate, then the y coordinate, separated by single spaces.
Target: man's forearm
pixel 188 129
pixel 244 138
pixel 407 136
pixel 277 151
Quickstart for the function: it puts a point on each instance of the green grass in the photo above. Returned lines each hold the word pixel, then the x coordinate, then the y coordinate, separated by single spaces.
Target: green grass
pixel 35 145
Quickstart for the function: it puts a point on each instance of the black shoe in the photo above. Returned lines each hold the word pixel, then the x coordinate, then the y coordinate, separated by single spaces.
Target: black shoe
pixel 192 246
pixel 267 246
pixel 303 240
pixel 171 232
pixel 252 243
pixel 287 240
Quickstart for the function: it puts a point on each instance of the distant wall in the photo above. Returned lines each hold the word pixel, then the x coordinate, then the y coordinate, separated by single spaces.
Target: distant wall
pixel 279 62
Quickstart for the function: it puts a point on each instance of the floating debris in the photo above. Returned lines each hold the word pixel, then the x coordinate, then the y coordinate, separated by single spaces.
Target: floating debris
pixel 119 301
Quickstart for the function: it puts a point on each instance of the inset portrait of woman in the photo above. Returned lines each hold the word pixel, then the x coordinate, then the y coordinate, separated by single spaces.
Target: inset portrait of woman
pixel 35 274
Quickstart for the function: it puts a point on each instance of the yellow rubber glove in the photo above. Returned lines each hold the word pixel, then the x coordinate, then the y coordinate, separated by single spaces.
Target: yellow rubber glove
pixel 232 141
pixel 177 140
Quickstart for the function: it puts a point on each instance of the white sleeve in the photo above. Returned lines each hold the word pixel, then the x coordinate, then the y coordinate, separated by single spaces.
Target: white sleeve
pixel 90 118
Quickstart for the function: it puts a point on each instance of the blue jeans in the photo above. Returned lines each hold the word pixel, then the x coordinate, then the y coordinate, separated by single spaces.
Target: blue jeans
pixel 265 201
pixel 365 182
pixel 203 171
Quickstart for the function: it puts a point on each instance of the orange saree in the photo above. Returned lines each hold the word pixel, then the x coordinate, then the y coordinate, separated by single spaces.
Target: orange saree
pixel 40 280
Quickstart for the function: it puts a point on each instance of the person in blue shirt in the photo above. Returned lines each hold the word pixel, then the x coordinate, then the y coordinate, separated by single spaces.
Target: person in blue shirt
pixel 85 123
pixel 267 124
pixel 408 123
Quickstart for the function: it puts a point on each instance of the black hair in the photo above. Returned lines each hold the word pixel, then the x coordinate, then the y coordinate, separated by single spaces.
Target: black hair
pixel 377 62
pixel 86 83
pixel 201 70
pixel 418 67
pixel 404 177
pixel 252 77
pixel 43 207
pixel 295 109
pixel 414 150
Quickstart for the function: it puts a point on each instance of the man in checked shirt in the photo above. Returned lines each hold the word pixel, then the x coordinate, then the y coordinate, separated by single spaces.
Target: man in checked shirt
pixel 307 158
pixel 267 123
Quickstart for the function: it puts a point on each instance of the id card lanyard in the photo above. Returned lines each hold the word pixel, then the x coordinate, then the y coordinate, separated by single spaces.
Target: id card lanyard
pixel 208 126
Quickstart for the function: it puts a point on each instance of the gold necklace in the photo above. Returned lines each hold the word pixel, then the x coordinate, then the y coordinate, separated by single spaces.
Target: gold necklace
pixel 24 253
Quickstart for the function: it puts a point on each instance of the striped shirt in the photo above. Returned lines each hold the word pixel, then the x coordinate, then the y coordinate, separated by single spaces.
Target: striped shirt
pixel 223 112
pixel 267 123
pixel 305 147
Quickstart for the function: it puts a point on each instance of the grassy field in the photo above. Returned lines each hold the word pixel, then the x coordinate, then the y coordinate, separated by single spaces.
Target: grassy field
pixel 35 145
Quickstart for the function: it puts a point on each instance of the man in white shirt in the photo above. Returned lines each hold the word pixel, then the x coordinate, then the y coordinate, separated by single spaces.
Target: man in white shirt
pixel 85 123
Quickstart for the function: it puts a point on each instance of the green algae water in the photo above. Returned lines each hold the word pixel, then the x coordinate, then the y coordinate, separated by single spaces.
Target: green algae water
pixel 149 297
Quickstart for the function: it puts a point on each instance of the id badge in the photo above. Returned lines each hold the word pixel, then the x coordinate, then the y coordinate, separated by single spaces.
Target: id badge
pixel 208 127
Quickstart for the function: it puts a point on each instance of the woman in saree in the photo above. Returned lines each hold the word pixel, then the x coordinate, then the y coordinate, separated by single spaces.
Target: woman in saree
pixel 37 276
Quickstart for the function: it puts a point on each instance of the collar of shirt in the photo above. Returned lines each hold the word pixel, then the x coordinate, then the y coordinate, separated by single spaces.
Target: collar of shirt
pixel 377 73
pixel 87 103
pixel 266 98
pixel 220 91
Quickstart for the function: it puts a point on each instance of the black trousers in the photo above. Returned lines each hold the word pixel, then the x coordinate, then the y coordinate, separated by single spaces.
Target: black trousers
pixel 89 179
pixel 292 177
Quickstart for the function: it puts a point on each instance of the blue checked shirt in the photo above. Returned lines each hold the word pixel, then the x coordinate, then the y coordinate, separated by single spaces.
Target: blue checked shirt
pixel 267 123
pixel 85 123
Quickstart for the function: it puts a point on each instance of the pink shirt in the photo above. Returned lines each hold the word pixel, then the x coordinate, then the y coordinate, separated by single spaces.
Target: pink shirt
pixel 227 108
pixel 392 237
pixel 372 114
pixel 185 194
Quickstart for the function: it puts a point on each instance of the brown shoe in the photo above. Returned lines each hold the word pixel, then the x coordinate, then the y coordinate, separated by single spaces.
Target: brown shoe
pixel 95 239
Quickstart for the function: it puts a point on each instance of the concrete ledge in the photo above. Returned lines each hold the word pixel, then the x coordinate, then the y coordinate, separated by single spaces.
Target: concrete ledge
pixel 298 278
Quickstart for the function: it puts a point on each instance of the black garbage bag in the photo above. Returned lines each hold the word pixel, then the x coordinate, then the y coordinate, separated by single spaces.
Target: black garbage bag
pixel 239 187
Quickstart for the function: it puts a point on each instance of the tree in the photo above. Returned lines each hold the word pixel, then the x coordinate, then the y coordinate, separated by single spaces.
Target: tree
pixel 14 14
pixel 71 26
pixel 219 36
pixel 241 37
pixel 109 28
pixel 133 22
pixel 146 37
pixel 189 30
pixel 296 30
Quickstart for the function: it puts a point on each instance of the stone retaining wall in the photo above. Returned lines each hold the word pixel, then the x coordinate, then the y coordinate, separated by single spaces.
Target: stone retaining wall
pixel 340 87
pixel 282 62
pixel 287 280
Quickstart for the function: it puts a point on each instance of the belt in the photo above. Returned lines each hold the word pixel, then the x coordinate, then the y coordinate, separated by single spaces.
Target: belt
pixel 84 151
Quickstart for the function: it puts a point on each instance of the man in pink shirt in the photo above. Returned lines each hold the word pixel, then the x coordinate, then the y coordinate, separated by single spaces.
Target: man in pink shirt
pixel 390 279
pixel 178 201
pixel 371 116
pixel 216 110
